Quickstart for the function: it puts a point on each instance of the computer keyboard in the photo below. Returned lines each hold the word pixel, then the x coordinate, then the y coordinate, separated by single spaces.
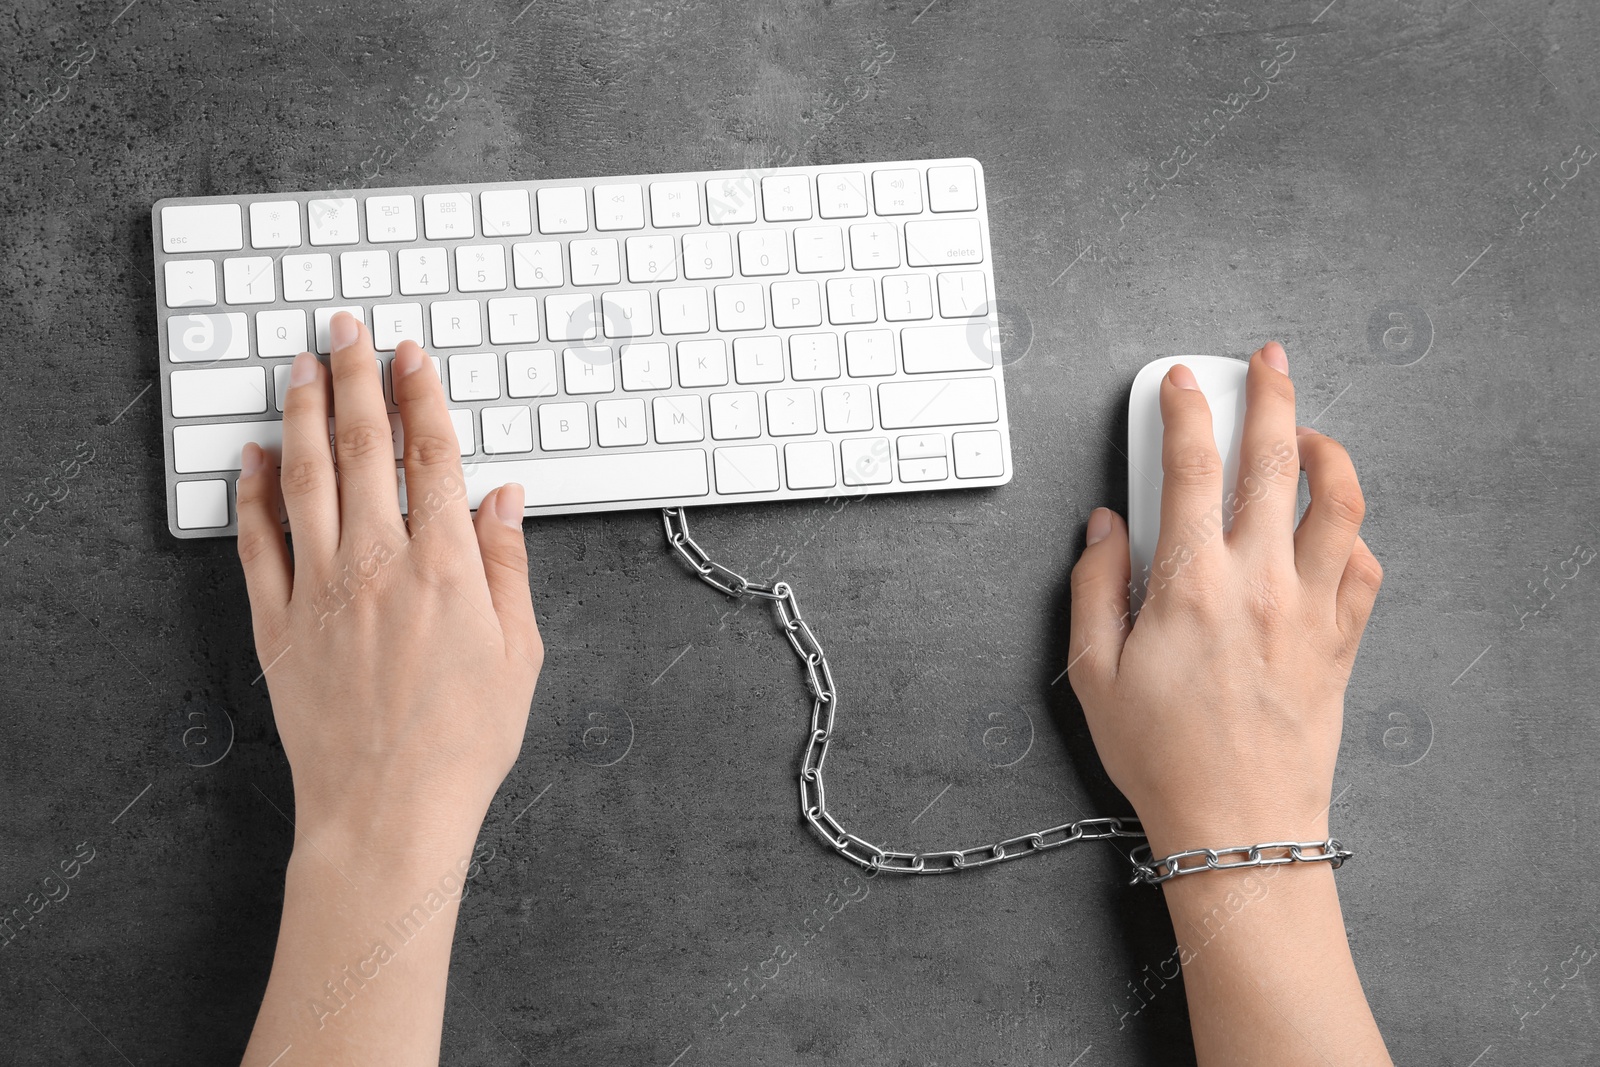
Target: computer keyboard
pixel 610 343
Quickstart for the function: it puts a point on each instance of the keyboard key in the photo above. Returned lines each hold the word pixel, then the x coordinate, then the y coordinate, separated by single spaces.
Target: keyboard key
pixel 757 360
pixel 507 429
pixel 645 366
pixel 480 268
pixel 531 373
pixel 619 423
pixel 735 415
pixel 842 195
pixel 907 297
pixel 563 426
pixel 818 248
pixel 675 204
pixel 274 224
pixel 564 210
pixel 248 280
pixel 308 277
pixel 391 218
pixel 730 200
pixel 202 505
pixel 897 192
pixel 874 245
pixel 423 270
pixel 595 262
pixel 763 252
pixel 963 294
pixel 920 446
pixel 937 402
pixel 333 221
pixel 978 454
pixel 618 207
pixel 506 213
pixel 191 283
pixel 537 265
pixel 652 259
pixel 324 315
pixel 813 356
pixel 513 320
pixel 791 412
pixel 952 189
pixel 809 465
pixel 747 469
pixel 589 370
pixel 866 461
pixel 684 310
pixel 217 447
pixel 741 307
pixel 475 376
pixel 454 324
pixel 616 477
pixel 393 323
pixel 207 338
pixel 365 274
pixel 702 363
pixel 941 349
pixel 202 228
pixel 678 418
pixel 943 241
pixel 220 391
pixel 852 300
pixel 707 255
pixel 280 333
pixel 934 469
pixel 627 313
pixel 570 317
pixel 446 216
pixel 847 408
pixel 869 353
pixel 796 304
pixel 786 197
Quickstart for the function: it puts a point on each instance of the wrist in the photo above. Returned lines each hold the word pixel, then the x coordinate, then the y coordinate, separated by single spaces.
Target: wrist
pixel 1169 836
pixel 387 842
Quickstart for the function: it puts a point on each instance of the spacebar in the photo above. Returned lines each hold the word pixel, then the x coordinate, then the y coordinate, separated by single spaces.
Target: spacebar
pixel 595 479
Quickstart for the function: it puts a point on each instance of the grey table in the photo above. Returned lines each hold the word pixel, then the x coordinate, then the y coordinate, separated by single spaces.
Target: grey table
pixel 1403 193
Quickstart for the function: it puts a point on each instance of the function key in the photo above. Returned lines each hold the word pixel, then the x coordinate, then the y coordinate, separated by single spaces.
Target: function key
pixel 842 195
pixel 952 189
pixel 447 215
pixel 618 207
pixel 786 197
pixel 506 213
pixel 275 224
pixel 675 203
pixel 202 228
pixel 391 218
pixel 897 192
pixel 563 210
pixel 730 200
pixel 333 221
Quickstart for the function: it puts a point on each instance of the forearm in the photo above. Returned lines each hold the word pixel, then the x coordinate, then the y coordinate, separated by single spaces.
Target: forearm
pixel 363 954
pixel 1268 972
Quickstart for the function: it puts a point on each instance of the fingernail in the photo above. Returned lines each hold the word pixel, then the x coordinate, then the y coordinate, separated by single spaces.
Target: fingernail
pixel 1099 525
pixel 1182 377
pixel 343 330
pixel 508 504
pixel 1274 356
pixel 405 362
pixel 304 370
pixel 253 459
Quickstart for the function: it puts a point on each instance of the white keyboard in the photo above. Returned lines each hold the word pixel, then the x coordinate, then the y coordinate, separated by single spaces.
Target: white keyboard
pixel 610 343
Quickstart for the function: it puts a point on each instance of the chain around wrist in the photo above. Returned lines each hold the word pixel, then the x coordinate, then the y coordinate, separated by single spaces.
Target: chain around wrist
pixel 1149 871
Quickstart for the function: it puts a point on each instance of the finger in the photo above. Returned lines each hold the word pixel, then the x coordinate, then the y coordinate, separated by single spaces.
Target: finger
pixel 1191 485
pixel 1327 533
pixel 310 492
pixel 505 566
pixel 262 551
pixel 1100 618
pixel 436 491
pixel 363 446
pixel 1358 590
pixel 1269 470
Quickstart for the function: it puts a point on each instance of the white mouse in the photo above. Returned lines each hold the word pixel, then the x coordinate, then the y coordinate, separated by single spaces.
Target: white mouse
pixel 1222 381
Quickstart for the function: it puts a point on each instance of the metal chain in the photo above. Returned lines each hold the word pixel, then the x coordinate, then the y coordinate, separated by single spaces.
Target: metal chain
pixel 1155 871
pixel 824 708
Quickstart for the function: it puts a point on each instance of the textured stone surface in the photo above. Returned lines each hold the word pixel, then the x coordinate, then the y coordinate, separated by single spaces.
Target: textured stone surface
pixel 1389 166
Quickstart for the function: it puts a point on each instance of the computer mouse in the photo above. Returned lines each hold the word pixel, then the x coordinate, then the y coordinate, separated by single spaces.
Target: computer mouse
pixel 1221 379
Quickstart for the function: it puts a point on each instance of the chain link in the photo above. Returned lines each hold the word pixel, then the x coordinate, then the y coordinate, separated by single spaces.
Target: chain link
pixel 1149 871
pixel 825 706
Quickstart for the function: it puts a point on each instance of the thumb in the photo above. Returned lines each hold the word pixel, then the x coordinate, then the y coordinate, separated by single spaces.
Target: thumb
pixel 1100 619
pixel 505 568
